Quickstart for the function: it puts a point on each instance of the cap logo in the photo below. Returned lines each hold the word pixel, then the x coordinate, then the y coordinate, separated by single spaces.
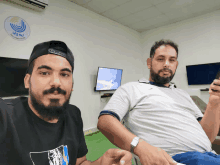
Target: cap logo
pixel 53 51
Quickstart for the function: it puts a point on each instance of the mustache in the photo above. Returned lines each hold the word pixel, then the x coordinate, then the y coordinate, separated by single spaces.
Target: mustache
pixel 166 70
pixel 52 90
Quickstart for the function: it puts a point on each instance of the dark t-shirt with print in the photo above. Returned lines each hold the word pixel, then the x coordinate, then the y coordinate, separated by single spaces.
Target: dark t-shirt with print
pixel 27 139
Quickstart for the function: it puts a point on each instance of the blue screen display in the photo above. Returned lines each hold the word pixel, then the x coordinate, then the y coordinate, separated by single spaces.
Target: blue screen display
pixel 108 78
pixel 202 74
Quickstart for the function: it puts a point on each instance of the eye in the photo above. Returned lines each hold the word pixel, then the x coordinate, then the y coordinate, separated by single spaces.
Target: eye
pixel 160 59
pixel 64 75
pixel 44 73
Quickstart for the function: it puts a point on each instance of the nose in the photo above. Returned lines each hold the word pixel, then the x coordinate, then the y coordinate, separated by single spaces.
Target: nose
pixel 166 64
pixel 55 80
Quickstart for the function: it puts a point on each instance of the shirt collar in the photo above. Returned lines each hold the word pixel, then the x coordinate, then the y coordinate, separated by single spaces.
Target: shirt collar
pixel 143 80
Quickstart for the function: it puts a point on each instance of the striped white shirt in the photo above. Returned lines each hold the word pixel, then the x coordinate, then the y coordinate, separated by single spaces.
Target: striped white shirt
pixel 165 117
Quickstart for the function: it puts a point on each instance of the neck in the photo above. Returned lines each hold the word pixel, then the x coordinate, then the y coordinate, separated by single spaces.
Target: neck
pixel 167 85
pixel 54 120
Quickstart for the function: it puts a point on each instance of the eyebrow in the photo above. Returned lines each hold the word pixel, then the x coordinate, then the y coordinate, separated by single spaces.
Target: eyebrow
pixel 164 56
pixel 49 68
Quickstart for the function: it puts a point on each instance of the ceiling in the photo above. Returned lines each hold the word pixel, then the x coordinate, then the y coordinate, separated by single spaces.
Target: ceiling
pixel 142 15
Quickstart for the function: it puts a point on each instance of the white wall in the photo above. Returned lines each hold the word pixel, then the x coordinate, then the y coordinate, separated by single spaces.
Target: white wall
pixel 198 39
pixel 94 40
pixel 97 41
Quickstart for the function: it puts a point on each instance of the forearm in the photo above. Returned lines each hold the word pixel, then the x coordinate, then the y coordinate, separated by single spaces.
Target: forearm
pixel 115 132
pixel 210 121
pixel 96 162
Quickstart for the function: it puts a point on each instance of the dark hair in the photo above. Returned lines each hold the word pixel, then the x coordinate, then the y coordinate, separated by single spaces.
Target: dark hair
pixel 31 67
pixel 157 44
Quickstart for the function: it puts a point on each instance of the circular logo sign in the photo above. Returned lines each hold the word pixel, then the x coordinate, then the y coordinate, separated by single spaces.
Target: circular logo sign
pixel 17 28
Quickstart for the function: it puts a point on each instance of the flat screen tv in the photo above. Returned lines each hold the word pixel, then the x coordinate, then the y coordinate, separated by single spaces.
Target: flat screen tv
pixel 12 73
pixel 202 74
pixel 108 79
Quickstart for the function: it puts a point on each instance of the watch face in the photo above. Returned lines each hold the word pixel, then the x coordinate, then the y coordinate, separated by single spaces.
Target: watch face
pixel 133 145
pixel 135 141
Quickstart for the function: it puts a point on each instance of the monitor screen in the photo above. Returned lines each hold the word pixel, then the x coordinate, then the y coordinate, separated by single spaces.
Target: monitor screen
pixel 202 74
pixel 108 79
pixel 12 73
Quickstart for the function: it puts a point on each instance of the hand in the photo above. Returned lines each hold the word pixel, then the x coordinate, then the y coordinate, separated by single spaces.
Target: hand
pixel 214 98
pixel 150 155
pixel 116 157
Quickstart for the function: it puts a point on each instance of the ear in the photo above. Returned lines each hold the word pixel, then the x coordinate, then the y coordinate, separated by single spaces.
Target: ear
pixel 149 63
pixel 177 64
pixel 26 80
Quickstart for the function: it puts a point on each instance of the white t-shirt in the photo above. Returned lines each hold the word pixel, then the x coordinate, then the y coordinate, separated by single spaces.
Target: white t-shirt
pixel 165 117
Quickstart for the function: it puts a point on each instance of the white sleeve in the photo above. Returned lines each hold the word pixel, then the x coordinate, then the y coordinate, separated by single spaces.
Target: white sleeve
pixel 119 102
pixel 198 112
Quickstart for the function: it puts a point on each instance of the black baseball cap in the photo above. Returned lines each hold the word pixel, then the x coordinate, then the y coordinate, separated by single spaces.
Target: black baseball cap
pixel 52 47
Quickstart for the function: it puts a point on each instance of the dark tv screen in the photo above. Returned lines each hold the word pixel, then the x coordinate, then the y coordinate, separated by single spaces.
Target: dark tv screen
pixel 12 73
pixel 202 74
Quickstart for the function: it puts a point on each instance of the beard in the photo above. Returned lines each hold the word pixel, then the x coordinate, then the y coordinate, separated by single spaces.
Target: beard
pixel 161 80
pixel 54 109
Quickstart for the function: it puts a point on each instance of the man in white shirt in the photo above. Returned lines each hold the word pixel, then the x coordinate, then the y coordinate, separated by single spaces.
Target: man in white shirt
pixel 161 121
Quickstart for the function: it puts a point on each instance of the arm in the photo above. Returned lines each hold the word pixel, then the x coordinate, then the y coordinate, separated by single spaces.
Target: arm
pixel 219 124
pixel 110 126
pixel 112 156
pixel 84 161
pixel 219 121
pixel 118 135
pixel 122 138
pixel 115 132
pixel 210 121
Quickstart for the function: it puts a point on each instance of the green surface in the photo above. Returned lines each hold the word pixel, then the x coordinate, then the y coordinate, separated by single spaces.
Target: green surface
pixel 97 145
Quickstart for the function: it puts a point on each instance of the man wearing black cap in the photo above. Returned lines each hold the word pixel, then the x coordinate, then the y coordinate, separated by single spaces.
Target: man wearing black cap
pixel 44 128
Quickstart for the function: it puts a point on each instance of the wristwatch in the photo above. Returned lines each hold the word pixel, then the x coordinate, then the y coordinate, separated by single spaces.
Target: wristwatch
pixel 134 143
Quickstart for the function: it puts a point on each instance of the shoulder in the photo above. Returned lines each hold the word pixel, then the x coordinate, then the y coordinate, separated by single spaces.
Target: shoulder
pixel 73 111
pixel 133 84
pixel 126 89
pixel 126 86
pixel 183 92
pixel 73 115
pixel 73 108
pixel 136 85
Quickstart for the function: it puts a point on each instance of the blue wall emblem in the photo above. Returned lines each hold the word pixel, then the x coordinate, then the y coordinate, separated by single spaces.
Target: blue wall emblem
pixel 17 28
